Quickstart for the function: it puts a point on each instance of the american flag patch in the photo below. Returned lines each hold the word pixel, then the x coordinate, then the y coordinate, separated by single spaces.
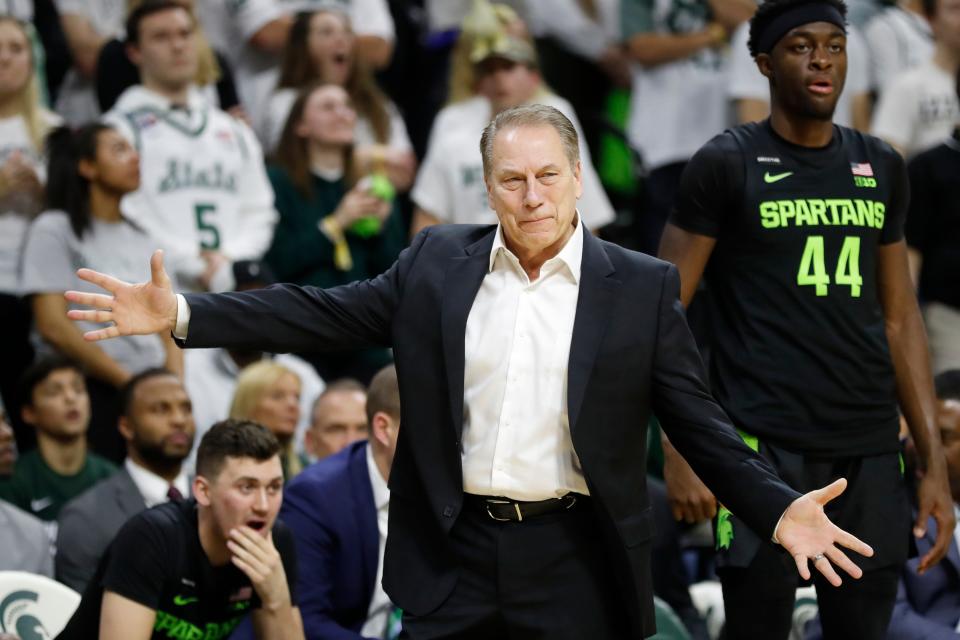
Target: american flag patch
pixel 861 169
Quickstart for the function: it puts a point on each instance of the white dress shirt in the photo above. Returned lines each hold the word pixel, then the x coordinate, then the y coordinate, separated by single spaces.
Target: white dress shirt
pixel 380 605
pixel 152 487
pixel 516 432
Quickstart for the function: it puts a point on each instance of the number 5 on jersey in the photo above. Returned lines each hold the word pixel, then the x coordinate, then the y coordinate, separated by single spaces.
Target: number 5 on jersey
pixel 813 269
pixel 208 232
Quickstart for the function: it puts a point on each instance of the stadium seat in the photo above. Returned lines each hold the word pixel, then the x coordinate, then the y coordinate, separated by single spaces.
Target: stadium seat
pixel 34 606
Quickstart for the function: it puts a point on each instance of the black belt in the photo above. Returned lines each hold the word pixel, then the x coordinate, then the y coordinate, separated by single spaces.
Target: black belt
pixel 507 510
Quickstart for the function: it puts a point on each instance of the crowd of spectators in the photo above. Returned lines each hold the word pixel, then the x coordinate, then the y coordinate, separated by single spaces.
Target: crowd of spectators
pixel 307 141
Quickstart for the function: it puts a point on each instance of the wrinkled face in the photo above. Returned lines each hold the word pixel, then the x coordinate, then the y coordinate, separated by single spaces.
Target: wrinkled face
pixel 160 424
pixel 60 406
pixel 15 65
pixel 278 408
pixel 116 167
pixel 533 189
pixel 945 24
pixel 506 83
pixel 808 67
pixel 328 118
pixel 339 419
pixel 8 446
pixel 245 492
pixel 948 419
pixel 167 50
pixel 330 46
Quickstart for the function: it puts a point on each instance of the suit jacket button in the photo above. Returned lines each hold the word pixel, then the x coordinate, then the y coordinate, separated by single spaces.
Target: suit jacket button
pixel 448 511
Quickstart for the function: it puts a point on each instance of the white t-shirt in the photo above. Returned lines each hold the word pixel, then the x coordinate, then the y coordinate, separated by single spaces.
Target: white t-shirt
pixel 278 110
pixel 77 100
pixel 450 182
pixel 203 182
pixel 678 106
pixel 13 221
pixel 53 253
pixel 919 109
pixel 746 81
pixel 230 24
pixel 210 377
pixel 898 40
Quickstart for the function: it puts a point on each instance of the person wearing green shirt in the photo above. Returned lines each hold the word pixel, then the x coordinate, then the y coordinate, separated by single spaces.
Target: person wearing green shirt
pixel 335 227
pixel 55 402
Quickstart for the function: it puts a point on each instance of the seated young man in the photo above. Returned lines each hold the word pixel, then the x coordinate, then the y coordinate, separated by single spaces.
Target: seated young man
pixel 194 569
pixel 54 401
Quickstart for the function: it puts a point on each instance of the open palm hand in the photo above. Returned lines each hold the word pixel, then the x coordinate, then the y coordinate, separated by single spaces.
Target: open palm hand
pixel 809 535
pixel 133 309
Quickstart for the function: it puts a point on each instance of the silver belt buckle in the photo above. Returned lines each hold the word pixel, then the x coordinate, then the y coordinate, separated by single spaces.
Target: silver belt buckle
pixel 493 517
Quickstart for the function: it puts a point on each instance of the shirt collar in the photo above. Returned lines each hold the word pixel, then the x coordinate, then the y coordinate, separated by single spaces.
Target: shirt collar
pixel 152 487
pixel 381 492
pixel 571 255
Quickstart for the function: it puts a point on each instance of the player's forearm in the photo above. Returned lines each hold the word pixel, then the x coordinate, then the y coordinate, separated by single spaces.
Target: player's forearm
pixel 907 342
pixel 278 622
pixel 911 361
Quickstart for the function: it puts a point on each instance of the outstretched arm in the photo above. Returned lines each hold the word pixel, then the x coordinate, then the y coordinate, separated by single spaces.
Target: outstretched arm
pixel 279 319
pixel 744 481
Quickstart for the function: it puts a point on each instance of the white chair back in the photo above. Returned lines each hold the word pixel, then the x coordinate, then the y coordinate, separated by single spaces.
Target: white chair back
pixel 34 607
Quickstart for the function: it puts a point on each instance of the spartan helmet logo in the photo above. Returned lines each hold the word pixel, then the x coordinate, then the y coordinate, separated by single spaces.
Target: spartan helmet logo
pixel 17 616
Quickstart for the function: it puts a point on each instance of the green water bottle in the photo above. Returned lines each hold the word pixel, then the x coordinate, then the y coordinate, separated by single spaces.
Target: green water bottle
pixel 378 185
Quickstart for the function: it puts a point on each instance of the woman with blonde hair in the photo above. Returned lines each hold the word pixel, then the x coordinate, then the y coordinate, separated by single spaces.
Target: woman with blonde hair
pixel 321 49
pixel 269 393
pixel 24 124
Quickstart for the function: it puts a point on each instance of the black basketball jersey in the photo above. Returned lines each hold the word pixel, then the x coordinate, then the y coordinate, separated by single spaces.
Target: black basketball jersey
pixel 800 354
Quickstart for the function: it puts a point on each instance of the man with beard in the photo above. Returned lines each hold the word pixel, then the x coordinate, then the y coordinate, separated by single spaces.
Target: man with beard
pixel 157 423
pixel 816 331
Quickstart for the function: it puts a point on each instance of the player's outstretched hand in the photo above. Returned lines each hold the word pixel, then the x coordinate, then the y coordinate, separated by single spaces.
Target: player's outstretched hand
pixel 133 309
pixel 807 533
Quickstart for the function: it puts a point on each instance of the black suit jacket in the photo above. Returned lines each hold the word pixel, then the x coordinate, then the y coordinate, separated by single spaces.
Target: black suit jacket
pixel 631 352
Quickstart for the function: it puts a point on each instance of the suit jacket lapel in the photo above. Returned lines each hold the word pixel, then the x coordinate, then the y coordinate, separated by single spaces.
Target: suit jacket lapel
pixel 597 294
pixel 129 498
pixel 462 282
pixel 365 512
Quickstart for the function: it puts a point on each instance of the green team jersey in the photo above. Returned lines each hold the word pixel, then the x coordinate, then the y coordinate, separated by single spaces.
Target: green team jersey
pixel 799 350
pixel 38 489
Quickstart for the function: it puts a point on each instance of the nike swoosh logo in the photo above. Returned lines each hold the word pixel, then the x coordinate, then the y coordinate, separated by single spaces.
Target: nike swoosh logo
pixel 769 179
pixel 40 504
pixel 180 601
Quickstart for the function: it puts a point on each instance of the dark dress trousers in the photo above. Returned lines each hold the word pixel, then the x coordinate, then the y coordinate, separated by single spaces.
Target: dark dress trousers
pixel 631 353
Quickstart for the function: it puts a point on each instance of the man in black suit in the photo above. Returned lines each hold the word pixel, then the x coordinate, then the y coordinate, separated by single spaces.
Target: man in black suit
pixel 529 356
